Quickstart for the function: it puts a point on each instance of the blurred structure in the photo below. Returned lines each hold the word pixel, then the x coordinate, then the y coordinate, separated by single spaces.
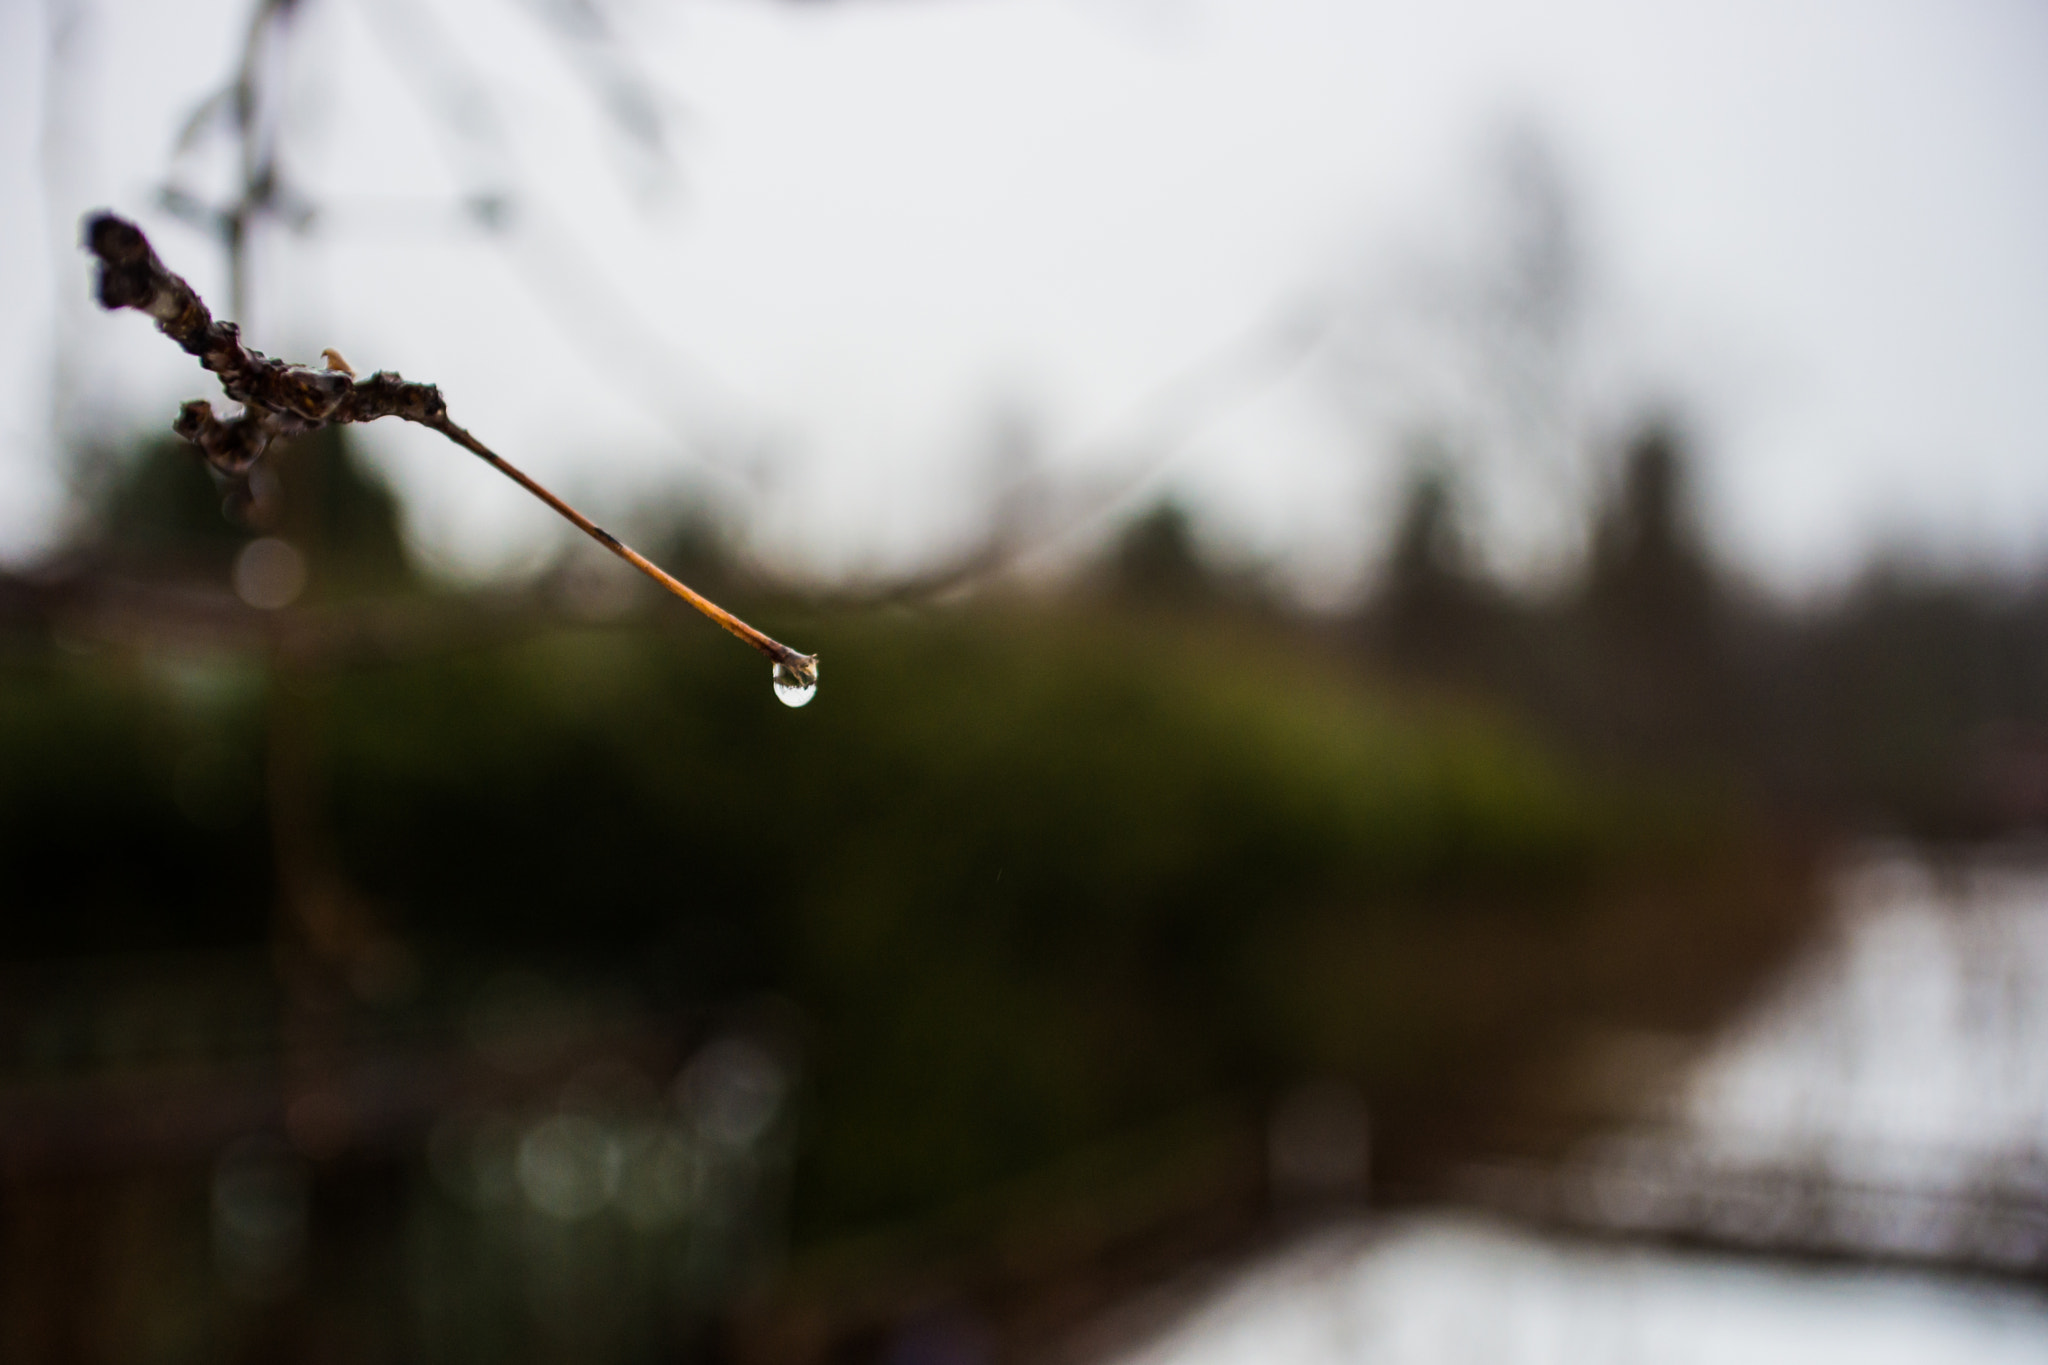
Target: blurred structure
pixel 1449 1287
pixel 1884 1101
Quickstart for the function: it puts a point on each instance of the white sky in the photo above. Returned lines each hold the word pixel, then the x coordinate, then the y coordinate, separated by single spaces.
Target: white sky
pixel 1820 229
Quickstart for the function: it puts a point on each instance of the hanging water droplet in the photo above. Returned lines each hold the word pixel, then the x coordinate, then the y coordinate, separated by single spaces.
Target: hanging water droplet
pixel 793 688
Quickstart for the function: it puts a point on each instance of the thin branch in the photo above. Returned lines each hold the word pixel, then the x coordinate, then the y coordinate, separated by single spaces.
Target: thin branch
pixel 282 400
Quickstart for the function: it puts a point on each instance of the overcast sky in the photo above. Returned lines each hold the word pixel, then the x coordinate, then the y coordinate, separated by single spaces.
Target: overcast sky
pixel 886 231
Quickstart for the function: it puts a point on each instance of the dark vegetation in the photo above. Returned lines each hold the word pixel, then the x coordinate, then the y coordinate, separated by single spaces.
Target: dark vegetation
pixel 1914 704
pixel 1047 902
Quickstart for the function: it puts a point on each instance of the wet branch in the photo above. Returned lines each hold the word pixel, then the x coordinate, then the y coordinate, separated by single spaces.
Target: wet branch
pixel 281 400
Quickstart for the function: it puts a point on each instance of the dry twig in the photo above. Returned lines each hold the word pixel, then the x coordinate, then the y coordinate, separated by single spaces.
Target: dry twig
pixel 282 400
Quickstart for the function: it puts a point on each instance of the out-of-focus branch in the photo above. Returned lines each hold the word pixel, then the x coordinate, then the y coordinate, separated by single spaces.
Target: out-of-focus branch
pixel 280 399
pixel 1034 519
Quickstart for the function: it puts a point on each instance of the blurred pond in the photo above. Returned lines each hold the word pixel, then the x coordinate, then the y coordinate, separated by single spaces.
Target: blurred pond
pixel 1888 1098
pixel 1854 1170
pixel 1448 1289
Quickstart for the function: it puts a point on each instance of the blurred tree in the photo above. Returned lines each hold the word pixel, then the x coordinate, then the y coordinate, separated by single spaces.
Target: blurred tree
pixel 1432 608
pixel 159 513
pixel 1651 603
pixel 1482 334
pixel 1156 562
pixel 1649 576
pixel 342 516
pixel 697 544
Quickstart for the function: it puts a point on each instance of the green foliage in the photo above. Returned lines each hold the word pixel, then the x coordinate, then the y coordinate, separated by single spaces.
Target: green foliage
pixel 160 514
pixel 130 811
pixel 340 514
pixel 160 509
pixel 1031 880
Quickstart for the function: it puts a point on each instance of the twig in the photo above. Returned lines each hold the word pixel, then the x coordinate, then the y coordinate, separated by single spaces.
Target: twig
pixel 282 400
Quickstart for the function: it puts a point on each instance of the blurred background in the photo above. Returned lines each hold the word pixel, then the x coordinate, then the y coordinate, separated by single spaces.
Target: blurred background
pixel 1434 740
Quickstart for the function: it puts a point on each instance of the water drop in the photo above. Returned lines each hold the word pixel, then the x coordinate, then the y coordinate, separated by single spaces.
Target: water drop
pixel 792 688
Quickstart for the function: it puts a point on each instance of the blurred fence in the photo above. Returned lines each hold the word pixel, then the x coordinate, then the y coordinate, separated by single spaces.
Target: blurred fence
pixel 1887 1100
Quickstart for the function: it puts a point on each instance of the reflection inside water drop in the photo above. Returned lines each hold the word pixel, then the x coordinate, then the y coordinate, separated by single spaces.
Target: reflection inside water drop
pixel 793 690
